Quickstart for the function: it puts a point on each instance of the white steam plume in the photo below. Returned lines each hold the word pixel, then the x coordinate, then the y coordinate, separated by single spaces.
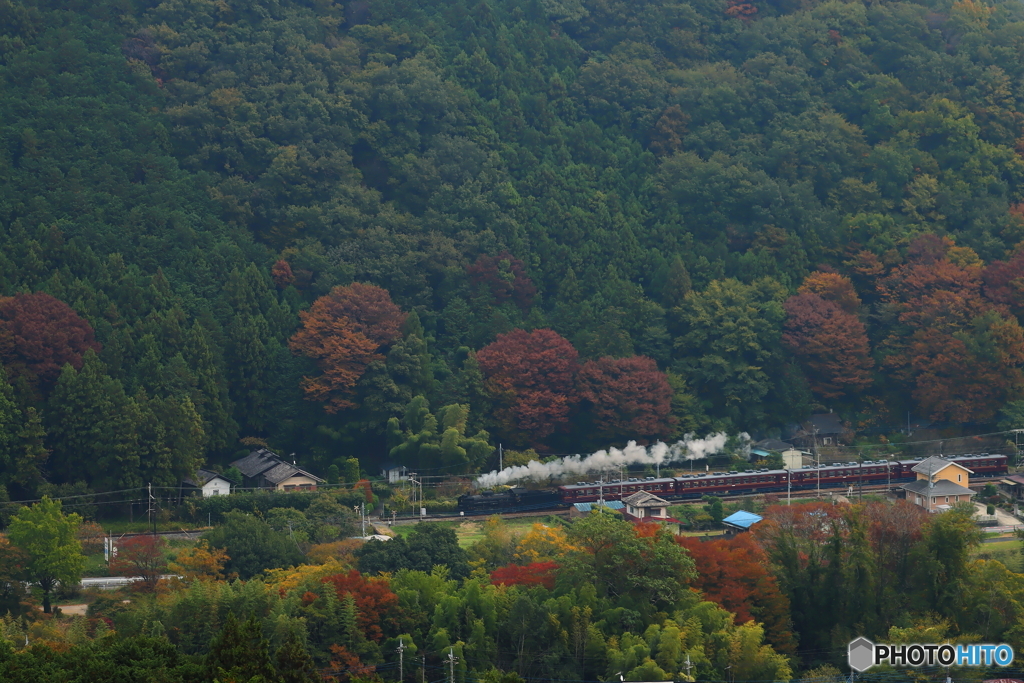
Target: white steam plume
pixel 689 448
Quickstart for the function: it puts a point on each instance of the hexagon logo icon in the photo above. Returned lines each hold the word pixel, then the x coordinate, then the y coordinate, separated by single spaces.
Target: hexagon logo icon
pixel 861 654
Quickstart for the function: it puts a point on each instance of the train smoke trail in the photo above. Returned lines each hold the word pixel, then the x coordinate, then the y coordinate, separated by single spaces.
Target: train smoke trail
pixel 689 448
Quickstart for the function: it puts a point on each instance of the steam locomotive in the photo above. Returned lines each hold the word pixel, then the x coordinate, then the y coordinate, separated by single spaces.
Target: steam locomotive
pixel 695 486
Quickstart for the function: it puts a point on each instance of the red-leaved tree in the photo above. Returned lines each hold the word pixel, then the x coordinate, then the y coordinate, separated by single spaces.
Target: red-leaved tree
pixel 530 374
pixel 1004 283
pixel 375 603
pixel 533 574
pixel 342 332
pixel 627 397
pixel 39 334
pixel 830 344
pixel 960 354
pixel 143 557
pixel 832 287
pixel 282 274
pixel 734 573
pixel 505 276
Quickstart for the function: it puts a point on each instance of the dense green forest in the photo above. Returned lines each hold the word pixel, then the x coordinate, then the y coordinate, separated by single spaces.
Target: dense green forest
pixel 413 230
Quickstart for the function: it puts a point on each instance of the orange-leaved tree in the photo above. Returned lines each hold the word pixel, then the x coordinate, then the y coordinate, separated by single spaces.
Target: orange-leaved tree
pixel 141 557
pixel 734 573
pixel 530 575
pixel 960 354
pixel 830 343
pixel 199 563
pixel 375 602
pixel 627 397
pixel 342 332
pixel 531 375
pixel 832 287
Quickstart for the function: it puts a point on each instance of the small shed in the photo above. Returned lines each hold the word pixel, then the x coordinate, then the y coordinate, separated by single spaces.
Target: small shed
pixel 741 520
pixel 1013 486
pixel 210 483
pixel 643 506
pixel 394 473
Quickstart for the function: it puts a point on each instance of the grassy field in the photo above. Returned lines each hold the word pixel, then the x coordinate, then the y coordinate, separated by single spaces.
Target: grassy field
pixel 471 531
pixel 1006 551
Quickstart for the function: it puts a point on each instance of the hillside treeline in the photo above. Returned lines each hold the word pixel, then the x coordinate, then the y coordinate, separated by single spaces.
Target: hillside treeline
pixel 412 230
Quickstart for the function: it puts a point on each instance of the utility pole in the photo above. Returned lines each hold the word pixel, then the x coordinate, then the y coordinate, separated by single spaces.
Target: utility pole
pixel 501 459
pixel 150 508
pixel 423 669
pixel 451 663
pixel 401 659
pixel 688 665
pixel 362 517
pixel 789 501
pixel 817 461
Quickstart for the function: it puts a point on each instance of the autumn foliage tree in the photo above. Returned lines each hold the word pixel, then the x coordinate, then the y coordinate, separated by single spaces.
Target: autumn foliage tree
pixel 958 353
pixel 530 575
pixel 505 277
pixel 734 573
pixel 143 557
pixel 39 334
pixel 530 374
pixel 830 343
pixel 375 602
pixel 627 397
pixel 343 332
pixel 832 287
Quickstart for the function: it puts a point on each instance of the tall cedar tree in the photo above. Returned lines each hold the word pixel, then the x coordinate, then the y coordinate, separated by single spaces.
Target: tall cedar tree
pixel 93 428
pixel 530 374
pixel 830 343
pixel 240 652
pixel 39 335
pixel 342 333
pixel 627 397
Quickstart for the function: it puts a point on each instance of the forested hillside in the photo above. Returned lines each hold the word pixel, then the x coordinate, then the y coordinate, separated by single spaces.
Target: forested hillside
pixel 412 229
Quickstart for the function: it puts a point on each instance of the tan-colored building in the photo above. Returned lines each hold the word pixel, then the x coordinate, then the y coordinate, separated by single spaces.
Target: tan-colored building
pixel 940 484
pixel 264 469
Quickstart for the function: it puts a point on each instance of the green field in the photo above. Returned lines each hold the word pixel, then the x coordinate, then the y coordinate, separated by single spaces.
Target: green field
pixel 1006 551
pixel 472 530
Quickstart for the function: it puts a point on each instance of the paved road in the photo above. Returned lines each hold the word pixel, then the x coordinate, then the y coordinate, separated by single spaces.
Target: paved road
pixel 114 581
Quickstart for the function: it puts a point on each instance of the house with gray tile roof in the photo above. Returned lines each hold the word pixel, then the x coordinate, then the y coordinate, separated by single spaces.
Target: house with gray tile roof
pixel 264 469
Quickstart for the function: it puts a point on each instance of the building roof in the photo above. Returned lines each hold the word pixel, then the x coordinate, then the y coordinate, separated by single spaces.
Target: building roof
pixel 643 499
pixel 825 423
pixel 942 487
pixel 1013 479
pixel 610 504
pixel 270 466
pixel 934 465
pixel 257 462
pixel 742 519
pixel 774 445
pixel 204 477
